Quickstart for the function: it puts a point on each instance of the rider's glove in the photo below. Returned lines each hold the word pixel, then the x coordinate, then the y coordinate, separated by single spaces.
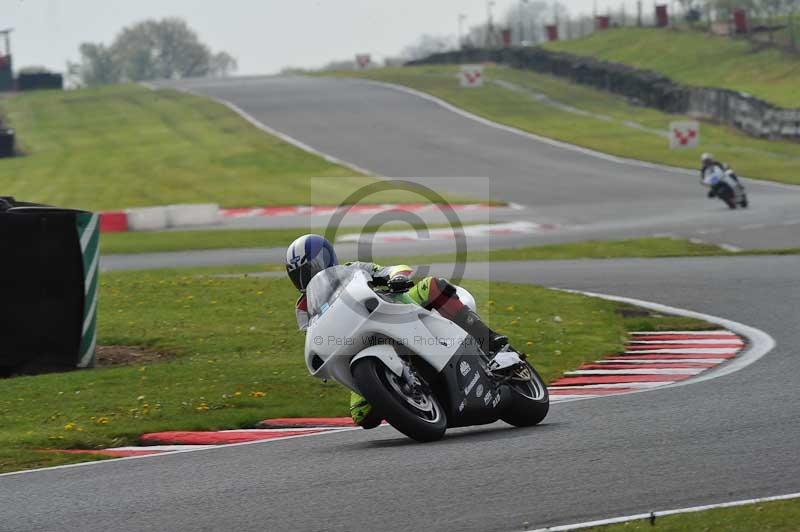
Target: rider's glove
pixel 400 283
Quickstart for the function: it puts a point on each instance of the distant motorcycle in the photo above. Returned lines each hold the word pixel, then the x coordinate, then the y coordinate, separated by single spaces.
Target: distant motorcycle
pixel 419 370
pixel 726 186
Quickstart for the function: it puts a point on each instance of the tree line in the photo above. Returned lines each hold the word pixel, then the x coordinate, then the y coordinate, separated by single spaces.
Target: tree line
pixel 149 50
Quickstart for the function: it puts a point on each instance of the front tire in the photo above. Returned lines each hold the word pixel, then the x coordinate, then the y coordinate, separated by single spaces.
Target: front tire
pixel 530 401
pixel 414 411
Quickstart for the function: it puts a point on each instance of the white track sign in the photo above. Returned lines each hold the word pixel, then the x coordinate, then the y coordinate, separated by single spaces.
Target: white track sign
pixel 684 135
pixel 471 76
pixel 363 60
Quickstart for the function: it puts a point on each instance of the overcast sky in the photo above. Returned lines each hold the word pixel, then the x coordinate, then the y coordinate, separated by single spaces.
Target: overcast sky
pixel 264 35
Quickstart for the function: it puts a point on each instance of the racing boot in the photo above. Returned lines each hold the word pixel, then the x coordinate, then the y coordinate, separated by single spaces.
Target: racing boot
pixel 362 412
pixel 489 341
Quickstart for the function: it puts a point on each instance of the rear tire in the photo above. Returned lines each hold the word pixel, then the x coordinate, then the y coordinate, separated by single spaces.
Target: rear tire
pixel 530 401
pixel 424 422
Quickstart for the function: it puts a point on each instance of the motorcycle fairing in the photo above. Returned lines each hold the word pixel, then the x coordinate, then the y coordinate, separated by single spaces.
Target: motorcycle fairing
pixel 470 395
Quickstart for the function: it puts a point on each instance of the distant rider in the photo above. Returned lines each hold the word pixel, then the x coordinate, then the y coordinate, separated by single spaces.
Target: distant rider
pixel 310 254
pixel 713 174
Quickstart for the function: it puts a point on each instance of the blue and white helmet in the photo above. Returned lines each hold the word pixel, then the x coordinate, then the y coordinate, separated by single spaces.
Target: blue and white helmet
pixel 306 257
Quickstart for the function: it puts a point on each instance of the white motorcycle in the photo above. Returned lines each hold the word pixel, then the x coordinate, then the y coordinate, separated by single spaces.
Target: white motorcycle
pixel 420 371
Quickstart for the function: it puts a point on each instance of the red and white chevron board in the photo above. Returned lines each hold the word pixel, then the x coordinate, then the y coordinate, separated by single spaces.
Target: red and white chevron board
pixel 121 221
pixel 650 360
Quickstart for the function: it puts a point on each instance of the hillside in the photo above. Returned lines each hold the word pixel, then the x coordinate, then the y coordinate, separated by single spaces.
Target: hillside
pixel 697 59
pixel 126 146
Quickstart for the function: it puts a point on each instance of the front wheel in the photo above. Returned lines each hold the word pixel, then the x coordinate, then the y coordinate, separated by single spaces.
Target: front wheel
pixel 410 407
pixel 530 401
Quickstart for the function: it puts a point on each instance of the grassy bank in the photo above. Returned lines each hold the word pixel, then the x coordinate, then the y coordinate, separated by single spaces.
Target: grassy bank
pixel 233 357
pixel 593 249
pixel 695 58
pixel 762 159
pixel 154 242
pixel 779 516
pixel 133 243
pixel 126 146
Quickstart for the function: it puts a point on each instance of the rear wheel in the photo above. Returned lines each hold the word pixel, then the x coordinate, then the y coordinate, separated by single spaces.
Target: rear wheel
pixel 530 401
pixel 410 407
pixel 726 194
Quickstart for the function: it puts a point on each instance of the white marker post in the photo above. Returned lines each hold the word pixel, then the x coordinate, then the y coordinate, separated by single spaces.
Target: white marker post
pixel 471 76
pixel 684 135
pixel 363 60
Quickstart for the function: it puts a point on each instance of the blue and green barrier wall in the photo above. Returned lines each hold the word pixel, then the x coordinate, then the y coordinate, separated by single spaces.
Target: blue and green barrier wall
pixel 49 267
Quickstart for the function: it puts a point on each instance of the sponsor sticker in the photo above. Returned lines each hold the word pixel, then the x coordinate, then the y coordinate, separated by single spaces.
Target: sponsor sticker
pixel 472 384
pixel 487 398
pixel 479 391
pixel 496 401
pixel 464 368
pixel 462 405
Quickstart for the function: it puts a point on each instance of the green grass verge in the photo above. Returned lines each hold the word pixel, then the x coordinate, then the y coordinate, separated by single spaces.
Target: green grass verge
pixel 237 359
pixel 756 158
pixel 698 59
pixel 127 146
pixel 778 516
pixel 614 249
pixel 147 242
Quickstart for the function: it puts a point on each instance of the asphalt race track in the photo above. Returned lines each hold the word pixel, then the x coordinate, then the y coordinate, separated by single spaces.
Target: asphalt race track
pixel 729 438
pixel 399 135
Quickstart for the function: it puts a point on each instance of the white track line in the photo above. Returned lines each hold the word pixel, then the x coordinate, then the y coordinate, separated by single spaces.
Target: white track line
pixel 610 385
pixel 664 513
pixel 269 431
pixel 194 449
pixel 730 247
pixel 642 385
pixel 559 398
pixel 160 448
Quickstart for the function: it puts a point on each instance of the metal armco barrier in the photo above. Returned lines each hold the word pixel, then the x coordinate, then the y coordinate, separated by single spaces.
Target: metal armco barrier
pixel 742 111
pixel 48 293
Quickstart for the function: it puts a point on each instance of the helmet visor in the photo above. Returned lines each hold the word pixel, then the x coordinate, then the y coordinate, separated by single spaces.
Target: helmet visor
pixel 302 275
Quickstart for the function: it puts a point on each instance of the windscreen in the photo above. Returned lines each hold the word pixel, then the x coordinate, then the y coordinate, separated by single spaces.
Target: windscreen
pixel 326 286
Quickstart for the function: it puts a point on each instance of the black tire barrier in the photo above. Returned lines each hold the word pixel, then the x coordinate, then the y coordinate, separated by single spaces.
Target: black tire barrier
pixel 48 296
pixel 742 111
pixel 40 81
pixel 7 142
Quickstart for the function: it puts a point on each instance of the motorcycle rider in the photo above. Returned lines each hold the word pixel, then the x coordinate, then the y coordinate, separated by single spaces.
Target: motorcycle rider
pixel 713 174
pixel 310 254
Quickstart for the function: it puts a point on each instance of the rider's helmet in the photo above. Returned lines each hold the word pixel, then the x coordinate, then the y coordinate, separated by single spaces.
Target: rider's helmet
pixel 706 158
pixel 306 257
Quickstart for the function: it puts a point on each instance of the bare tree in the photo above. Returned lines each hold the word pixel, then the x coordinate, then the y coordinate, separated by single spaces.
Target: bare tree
pixel 527 20
pixel 429 44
